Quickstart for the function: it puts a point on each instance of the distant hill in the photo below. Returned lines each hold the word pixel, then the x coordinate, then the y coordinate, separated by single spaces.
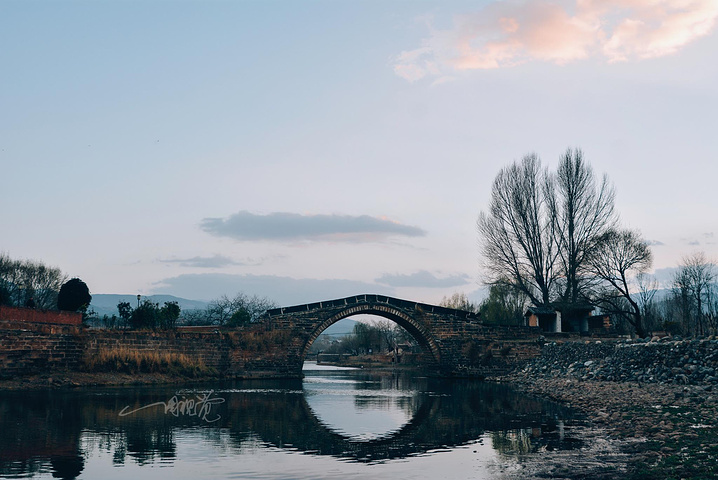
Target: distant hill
pixel 341 328
pixel 106 304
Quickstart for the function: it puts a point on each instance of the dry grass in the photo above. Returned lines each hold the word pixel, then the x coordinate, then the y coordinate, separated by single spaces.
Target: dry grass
pixel 263 341
pixel 124 360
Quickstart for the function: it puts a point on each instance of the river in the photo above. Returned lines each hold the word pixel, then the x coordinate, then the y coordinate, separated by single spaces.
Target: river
pixel 334 424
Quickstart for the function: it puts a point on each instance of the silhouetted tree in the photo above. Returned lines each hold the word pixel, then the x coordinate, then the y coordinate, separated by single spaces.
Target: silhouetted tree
pixel 517 235
pixel 581 210
pixel 124 309
pixel 693 287
pixel 367 337
pixel 146 315
pixel 617 258
pixel 240 310
pixel 21 280
pixel 504 306
pixel 74 296
pixel 458 301
pixel 150 315
pixel 541 227
pixel 169 313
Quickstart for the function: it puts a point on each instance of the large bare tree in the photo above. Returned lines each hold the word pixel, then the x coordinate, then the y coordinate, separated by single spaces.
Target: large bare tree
pixel 582 209
pixel 617 258
pixel 540 229
pixel 518 240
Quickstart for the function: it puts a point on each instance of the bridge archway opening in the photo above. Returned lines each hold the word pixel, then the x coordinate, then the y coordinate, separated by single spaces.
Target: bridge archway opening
pixel 395 329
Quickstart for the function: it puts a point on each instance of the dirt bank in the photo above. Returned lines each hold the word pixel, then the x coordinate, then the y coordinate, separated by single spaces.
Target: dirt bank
pixel 73 379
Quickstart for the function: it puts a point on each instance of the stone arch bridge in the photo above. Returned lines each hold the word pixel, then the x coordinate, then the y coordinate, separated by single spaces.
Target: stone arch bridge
pixel 455 342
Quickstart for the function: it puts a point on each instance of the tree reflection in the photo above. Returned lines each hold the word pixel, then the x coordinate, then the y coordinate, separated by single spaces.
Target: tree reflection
pixel 54 431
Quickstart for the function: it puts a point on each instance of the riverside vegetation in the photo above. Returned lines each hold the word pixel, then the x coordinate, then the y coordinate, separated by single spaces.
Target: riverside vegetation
pixel 124 360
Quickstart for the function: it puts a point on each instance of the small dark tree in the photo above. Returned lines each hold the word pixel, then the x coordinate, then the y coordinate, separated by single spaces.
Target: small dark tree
pixel 147 315
pixel 169 314
pixel 125 311
pixel 239 318
pixel 504 306
pixel 74 296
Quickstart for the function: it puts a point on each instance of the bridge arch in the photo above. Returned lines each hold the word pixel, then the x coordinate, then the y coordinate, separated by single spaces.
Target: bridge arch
pixel 415 328
pixel 453 340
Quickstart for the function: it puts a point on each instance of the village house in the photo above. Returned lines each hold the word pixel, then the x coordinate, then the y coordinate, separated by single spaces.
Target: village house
pixel 576 318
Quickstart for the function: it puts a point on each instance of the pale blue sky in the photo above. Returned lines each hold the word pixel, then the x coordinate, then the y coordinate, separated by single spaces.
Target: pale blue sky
pixel 356 140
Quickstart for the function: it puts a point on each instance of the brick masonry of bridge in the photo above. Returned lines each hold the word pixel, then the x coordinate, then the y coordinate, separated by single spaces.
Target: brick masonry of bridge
pixel 455 342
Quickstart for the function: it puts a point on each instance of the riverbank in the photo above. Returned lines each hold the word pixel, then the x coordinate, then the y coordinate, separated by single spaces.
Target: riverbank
pixel 659 408
pixel 653 406
pixel 75 379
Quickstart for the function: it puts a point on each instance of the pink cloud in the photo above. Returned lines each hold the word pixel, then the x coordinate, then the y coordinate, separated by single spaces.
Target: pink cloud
pixel 559 31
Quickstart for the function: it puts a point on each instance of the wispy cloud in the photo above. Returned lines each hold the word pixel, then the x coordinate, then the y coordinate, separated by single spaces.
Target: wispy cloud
pixel 655 243
pixel 280 226
pixel 505 34
pixel 423 278
pixel 215 261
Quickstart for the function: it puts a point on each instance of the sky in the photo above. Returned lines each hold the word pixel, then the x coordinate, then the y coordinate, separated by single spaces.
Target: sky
pixel 310 150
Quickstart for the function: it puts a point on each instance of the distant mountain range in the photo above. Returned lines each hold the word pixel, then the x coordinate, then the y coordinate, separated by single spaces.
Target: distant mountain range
pixel 106 304
pixel 340 329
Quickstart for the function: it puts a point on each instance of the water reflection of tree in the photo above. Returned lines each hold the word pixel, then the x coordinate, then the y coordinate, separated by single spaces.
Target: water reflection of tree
pixel 408 405
pixel 512 442
pixel 40 432
pixel 144 436
pixel 549 436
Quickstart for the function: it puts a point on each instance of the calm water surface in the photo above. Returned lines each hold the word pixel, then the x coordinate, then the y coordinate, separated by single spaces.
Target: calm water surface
pixel 336 423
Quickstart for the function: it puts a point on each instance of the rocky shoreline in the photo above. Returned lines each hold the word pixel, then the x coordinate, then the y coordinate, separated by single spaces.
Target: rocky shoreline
pixel 654 402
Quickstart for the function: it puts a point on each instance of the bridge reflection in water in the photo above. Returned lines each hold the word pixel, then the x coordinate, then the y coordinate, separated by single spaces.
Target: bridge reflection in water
pixel 57 431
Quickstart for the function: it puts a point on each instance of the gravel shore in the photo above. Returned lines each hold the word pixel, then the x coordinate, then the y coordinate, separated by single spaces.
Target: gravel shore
pixel 663 428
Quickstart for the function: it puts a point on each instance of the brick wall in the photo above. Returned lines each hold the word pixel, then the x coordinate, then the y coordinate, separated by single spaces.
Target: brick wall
pixel 30 348
pixel 39 316
pixel 212 349
pixel 36 347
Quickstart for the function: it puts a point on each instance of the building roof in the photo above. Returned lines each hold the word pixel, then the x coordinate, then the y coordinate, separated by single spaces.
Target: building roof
pixel 560 307
pixel 540 311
